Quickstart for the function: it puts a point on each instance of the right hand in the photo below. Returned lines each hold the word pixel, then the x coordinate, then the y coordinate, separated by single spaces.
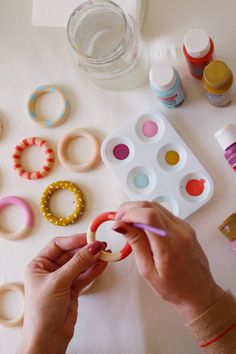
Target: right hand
pixel 175 267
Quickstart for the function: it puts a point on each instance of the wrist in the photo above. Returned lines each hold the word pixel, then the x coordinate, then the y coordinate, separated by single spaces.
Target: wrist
pixel 193 308
pixel 41 345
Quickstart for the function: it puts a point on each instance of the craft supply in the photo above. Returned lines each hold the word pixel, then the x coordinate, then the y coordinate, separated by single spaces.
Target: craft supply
pixel 48 123
pixel 7 201
pixel 79 200
pixel 154 230
pixel 198 50
pixel 91 237
pixel 63 145
pixel 1 127
pixel 166 84
pixel 228 228
pixel 152 168
pixel 19 289
pixel 46 149
pixel 108 46
pixel 217 81
pixel 226 137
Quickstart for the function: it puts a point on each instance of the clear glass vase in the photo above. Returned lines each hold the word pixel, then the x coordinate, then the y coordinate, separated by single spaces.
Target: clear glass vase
pixel 108 46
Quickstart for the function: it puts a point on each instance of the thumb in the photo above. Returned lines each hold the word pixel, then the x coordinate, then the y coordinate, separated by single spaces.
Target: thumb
pixel 140 246
pixel 80 262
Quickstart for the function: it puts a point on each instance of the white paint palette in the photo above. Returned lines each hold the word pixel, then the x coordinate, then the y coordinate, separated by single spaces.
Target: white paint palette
pixel 152 162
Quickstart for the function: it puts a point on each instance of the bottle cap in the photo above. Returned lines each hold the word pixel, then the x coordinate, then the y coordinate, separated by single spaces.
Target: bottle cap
pixel 218 76
pixel 226 136
pixel 197 43
pixel 162 76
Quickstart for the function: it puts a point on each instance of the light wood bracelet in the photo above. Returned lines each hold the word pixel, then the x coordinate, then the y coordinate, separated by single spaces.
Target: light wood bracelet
pixel 19 289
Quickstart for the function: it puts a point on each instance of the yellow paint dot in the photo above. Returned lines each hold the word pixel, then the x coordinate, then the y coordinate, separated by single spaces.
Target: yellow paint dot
pixel 172 157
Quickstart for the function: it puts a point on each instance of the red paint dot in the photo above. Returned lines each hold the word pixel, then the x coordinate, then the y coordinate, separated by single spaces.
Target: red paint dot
pixel 195 187
pixel 121 151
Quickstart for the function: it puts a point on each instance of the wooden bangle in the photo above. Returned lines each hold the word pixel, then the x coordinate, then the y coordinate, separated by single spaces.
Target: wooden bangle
pixel 62 151
pixel 5 202
pixel 45 199
pixel 17 157
pixel 91 237
pixel 42 90
pixel 19 289
pixel 1 127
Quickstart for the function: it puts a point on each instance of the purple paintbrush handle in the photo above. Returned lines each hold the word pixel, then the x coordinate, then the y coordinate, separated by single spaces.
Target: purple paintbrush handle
pixel 152 229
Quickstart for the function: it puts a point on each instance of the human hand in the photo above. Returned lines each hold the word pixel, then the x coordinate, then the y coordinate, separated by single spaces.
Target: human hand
pixel 54 280
pixel 175 267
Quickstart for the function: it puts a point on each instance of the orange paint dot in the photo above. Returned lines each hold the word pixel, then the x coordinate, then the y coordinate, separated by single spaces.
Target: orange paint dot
pixel 195 187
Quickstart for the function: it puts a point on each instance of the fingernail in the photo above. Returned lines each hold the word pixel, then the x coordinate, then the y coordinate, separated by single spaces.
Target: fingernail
pixel 95 247
pixel 104 245
pixel 120 230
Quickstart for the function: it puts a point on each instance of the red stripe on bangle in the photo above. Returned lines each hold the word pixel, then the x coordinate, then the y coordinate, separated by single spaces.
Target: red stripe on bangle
pixel 42 142
pixel 15 156
pixel 22 172
pixel 49 151
pixel 18 148
pixel 126 251
pixel 46 168
pixel 219 336
pixel 38 174
pixel 25 142
pixel 33 141
pixel 50 160
pixel 17 165
pixel 29 175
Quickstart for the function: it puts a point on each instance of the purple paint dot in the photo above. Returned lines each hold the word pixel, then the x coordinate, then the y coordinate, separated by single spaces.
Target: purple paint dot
pixel 121 151
pixel 150 129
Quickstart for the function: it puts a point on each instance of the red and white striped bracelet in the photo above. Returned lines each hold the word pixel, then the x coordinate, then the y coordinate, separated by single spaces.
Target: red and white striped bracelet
pixel 91 237
pixel 48 162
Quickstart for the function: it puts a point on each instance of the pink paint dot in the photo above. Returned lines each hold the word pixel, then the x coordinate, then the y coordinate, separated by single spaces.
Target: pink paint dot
pixel 150 129
pixel 121 151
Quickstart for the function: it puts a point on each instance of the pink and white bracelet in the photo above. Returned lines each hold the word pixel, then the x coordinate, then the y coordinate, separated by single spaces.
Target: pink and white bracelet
pixel 91 237
pixel 7 201
pixel 17 158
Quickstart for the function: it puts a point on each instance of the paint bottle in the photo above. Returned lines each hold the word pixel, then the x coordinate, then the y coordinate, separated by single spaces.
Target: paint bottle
pixel 165 82
pixel 217 81
pixel 226 137
pixel 198 50
pixel 228 228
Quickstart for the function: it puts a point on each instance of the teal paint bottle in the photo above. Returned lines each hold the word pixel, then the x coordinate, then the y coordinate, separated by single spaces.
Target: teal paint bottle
pixel 165 82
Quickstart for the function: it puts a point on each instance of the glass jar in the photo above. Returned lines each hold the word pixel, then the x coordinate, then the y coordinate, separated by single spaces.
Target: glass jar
pixel 108 46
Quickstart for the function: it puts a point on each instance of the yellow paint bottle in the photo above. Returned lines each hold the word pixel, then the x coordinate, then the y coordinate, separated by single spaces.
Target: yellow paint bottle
pixel 217 81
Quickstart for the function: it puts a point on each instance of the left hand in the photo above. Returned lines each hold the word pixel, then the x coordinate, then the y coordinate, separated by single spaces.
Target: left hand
pixel 54 280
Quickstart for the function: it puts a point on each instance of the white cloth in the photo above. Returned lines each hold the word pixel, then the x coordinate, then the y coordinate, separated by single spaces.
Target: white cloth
pixel 55 13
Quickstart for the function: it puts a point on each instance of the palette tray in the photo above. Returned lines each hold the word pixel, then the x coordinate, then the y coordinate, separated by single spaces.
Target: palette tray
pixel 152 162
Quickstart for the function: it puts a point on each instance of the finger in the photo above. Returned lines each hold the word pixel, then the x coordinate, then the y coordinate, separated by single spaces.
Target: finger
pixel 89 276
pixel 58 245
pixel 140 246
pixel 152 217
pixel 174 218
pixel 129 205
pixel 66 256
pixel 80 262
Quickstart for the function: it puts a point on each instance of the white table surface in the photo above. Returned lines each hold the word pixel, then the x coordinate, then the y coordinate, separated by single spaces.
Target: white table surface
pixel 120 315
